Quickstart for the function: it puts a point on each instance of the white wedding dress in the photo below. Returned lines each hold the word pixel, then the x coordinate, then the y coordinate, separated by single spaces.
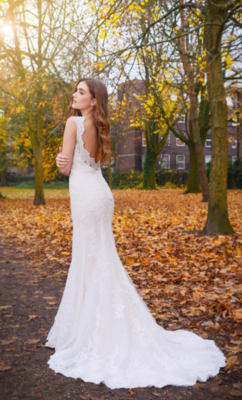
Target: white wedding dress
pixel 103 330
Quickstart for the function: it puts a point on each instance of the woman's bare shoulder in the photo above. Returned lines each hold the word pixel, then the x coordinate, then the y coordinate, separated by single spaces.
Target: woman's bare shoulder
pixel 70 126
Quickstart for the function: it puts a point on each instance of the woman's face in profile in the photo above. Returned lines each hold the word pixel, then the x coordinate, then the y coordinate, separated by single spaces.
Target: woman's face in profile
pixel 82 98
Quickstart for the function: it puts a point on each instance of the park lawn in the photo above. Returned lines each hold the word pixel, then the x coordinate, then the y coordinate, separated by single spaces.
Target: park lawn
pixel 188 280
pixel 15 193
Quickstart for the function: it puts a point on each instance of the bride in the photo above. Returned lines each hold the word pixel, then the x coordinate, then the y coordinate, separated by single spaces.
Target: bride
pixel 103 330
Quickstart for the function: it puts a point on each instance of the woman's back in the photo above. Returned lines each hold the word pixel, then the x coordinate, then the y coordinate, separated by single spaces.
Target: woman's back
pixel 90 138
pixel 85 152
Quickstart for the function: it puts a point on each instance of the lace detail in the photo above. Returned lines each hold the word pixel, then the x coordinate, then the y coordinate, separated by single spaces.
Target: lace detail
pixel 103 330
pixel 85 155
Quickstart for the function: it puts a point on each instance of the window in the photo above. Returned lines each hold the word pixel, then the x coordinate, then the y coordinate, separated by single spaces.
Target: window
pixel 143 161
pixel 234 158
pixel 180 161
pixel 234 143
pixel 207 160
pixel 143 139
pixel 208 143
pixel 179 142
pixel 165 161
pixel 181 118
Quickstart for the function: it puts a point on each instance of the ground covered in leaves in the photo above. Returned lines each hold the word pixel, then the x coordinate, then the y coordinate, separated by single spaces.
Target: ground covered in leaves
pixel 189 281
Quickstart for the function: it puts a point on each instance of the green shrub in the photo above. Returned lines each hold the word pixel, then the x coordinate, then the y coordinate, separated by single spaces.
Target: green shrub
pixel 134 179
pixel 177 178
pixel 126 180
pixel 234 174
pixel 25 185
pixel 121 180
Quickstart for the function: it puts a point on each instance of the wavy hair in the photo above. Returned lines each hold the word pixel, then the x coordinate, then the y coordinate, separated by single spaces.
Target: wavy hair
pixel 100 111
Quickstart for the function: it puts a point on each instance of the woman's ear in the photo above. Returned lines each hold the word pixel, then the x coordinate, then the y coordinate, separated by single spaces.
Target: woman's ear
pixel 93 102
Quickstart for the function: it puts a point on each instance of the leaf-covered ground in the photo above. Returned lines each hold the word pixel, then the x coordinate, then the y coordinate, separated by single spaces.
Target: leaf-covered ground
pixel 189 281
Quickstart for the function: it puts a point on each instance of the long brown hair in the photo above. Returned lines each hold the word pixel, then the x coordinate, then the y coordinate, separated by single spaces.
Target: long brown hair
pixel 100 111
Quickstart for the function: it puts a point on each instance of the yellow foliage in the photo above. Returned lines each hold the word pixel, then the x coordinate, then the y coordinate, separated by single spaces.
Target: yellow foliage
pixel 228 61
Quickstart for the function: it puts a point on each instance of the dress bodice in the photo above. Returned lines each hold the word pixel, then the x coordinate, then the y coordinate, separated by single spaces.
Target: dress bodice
pixel 81 157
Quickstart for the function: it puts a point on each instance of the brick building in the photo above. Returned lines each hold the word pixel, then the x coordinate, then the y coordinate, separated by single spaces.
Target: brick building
pixel 131 144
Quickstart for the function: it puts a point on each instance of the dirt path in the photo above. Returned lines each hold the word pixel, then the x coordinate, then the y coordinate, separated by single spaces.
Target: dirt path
pixel 29 301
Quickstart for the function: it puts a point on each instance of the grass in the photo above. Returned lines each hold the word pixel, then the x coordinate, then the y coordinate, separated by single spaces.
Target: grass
pixel 18 193
pixel 47 185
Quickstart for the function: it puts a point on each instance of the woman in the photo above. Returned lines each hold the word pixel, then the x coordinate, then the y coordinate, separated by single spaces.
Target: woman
pixel 103 330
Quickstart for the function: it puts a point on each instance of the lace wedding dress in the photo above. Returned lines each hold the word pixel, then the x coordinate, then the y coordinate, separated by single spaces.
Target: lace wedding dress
pixel 103 330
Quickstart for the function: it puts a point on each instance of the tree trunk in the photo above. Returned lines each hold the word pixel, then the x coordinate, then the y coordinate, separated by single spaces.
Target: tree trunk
pixel 239 127
pixel 217 219
pixel 110 175
pixel 36 134
pixel 39 182
pixel 197 141
pixel 187 65
pixel 4 178
pixel 38 163
pixel 149 169
pixel 193 185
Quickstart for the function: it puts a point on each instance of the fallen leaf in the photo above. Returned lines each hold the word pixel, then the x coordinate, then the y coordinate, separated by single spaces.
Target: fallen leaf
pixel 236 393
pixel 237 314
pixel 33 341
pixel 198 385
pixel 4 367
pixel 129 260
pixel 195 296
pixel 237 385
pixel 207 323
pixel 238 342
pixel 9 341
pixel 231 361
pixel 214 389
pixel 32 317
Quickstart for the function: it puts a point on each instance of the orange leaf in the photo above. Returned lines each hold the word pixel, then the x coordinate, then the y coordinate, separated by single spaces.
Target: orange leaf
pixel 231 361
pixel 237 314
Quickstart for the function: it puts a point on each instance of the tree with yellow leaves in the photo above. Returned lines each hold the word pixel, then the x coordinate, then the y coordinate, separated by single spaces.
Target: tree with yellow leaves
pixel 13 150
pixel 36 46
pixel 157 103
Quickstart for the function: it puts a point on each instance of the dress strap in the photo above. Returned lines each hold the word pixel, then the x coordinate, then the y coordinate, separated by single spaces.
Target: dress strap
pixel 79 125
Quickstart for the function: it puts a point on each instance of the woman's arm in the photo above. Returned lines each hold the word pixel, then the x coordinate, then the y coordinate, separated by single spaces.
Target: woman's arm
pixel 69 140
